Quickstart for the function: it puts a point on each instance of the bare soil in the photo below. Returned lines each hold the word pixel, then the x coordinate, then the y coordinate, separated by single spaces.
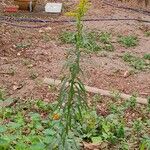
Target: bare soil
pixel 23 67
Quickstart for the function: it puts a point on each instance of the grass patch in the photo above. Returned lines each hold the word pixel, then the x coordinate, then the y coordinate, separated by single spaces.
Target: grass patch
pixel 128 41
pixel 105 37
pixel 23 45
pixel 91 41
pixel 136 62
pixel 147 56
pixel 147 33
pixel 31 124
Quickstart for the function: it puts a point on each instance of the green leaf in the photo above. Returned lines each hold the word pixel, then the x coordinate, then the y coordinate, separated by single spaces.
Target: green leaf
pixel 38 146
pixel 3 143
pixel 21 146
pixel 48 139
pixel 3 128
pixel 49 132
pixel 35 116
pixel 96 139
pixel 14 125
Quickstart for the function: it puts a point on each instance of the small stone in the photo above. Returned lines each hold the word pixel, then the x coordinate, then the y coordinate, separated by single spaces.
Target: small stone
pixel 18 54
pixel 48 28
pixel 15 87
pixel 126 74
pixel 41 31
pixel 14 46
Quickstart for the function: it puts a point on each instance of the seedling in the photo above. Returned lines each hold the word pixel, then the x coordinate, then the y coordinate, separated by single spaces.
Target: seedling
pixel 87 41
pixel 67 37
pixel 131 103
pixel 27 63
pixel 147 56
pixel 46 38
pixel 116 95
pixel 2 94
pixel 11 71
pixel 108 47
pixel 136 62
pixel 33 75
pixel 128 41
pixel 105 37
pixel 90 41
pixel 148 100
pixel 147 33
pixel 23 45
pixel 137 125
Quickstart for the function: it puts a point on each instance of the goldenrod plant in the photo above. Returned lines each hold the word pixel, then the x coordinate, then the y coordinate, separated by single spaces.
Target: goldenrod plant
pixel 72 98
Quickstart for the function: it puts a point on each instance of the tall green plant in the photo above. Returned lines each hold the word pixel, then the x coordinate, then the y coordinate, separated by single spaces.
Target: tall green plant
pixel 72 98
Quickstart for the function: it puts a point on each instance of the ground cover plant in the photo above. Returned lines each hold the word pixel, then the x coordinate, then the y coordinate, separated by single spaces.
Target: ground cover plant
pixel 92 41
pixel 137 62
pixel 128 41
pixel 29 125
pixel 76 119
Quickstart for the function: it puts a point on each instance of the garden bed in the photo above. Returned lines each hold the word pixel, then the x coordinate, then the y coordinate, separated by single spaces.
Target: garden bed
pixel 117 59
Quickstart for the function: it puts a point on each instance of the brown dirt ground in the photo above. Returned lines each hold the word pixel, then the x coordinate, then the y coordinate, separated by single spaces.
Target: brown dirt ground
pixel 44 55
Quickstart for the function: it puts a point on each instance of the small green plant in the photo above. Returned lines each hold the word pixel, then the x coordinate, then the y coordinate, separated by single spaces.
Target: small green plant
pixel 67 37
pixel 148 101
pixel 23 45
pixel 108 47
pixel 11 71
pixel 72 98
pixel 138 125
pixel 2 94
pixel 33 75
pixel 87 42
pixel 27 63
pixel 132 102
pixel 105 37
pixel 91 41
pixel 145 144
pixel 147 56
pixel 46 37
pixel 147 33
pixel 136 62
pixel 128 41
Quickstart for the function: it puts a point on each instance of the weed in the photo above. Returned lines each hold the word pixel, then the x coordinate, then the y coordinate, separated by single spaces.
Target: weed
pixel 67 37
pixel 128 41
pixel 11 71
pixel 46 37
pixel 138 126
pixel 116 95
pixel 145 144
pixel 148 100
pixel 2 94
pixel 90 41
pixel 147 33
pixel 87 42
pixel 33 125
pixel 105 37
pixel 72 96
pixel 108 47
pixel 23 45
pixel 136 62
pixel 132 102
pixel 33 75
pixel 97 99
pixel 94 35
pixel 146 56
pixel 27 62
